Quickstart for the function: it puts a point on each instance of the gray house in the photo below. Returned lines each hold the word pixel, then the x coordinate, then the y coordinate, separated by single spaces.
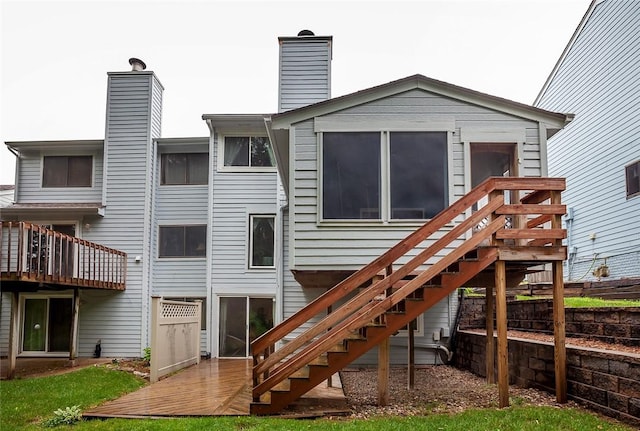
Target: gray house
pixel 597 78
pixel 260 217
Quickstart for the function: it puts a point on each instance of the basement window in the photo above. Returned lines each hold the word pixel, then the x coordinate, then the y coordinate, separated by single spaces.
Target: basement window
pixel 633 179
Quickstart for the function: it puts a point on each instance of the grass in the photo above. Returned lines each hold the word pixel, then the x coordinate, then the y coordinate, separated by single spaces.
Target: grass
pixel 27 402
pixel 587 302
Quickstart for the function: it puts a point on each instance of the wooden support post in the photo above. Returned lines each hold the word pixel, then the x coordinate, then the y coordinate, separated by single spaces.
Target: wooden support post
pixel 383 372
pixel 501 321
pixel 560 354
pixel 411 357
pixel 330 379
pixel 73 340
pixel 490 343
pixel 13 335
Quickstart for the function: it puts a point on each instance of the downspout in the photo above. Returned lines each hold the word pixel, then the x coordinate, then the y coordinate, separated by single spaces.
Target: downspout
pixel 209 243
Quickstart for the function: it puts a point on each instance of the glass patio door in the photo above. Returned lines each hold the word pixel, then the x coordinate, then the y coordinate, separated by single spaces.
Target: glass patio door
pixel 242 320
pixel 46 325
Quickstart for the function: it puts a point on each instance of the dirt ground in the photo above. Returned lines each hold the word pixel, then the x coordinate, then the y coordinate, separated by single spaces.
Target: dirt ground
pixel 438 389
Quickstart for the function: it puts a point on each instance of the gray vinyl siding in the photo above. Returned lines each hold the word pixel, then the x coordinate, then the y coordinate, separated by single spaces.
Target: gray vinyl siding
pixel 236 196
pixel 179 205
pixel 30 179
pixel 133 111
pixel 327 246
pixel 305 70
pixel 5 322
pixel 598 81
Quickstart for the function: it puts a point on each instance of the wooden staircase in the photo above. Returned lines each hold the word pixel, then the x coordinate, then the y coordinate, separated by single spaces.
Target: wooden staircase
pixel 377 300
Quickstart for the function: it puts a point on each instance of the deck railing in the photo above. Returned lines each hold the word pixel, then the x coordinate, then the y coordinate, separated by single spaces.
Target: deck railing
pixel 29 252
pixel 533 223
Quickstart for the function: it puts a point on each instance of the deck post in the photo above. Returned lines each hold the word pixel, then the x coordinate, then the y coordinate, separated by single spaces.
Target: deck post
pixel 560 355
pixel 13 335
pixel 411 357
pixel 383 372
pixel 501 320
pixel 490 351
pixel 73 344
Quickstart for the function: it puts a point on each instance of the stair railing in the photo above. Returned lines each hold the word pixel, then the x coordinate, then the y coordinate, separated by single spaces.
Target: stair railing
pixel 270 366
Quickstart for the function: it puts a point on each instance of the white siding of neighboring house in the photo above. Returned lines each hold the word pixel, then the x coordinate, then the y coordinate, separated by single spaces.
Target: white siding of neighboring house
pixel 598 80
pixel 120 319
pixel 30 178
pixel 331 247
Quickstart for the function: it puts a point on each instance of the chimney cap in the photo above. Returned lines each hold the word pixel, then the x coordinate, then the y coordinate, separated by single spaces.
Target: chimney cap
pixel 137 64
pixel 305 33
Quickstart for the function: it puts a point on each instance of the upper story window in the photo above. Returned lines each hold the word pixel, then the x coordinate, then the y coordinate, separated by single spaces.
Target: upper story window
pixel 384 175
pixel 262 241
pixel 67 171
pixel 182 241
pixel 633 179
pixel 248 152
pixel 184 168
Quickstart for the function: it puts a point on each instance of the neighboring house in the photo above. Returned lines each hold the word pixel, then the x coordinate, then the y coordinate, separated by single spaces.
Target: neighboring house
pixel 6 195
pixel 212 218
pixel 597 78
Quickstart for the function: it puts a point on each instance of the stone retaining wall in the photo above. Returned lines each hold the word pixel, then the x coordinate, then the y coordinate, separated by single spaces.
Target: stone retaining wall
pixel 606 381
pixel 612 325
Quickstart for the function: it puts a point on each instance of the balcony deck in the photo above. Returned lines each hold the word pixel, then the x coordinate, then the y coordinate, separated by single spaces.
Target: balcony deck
pixel 33 256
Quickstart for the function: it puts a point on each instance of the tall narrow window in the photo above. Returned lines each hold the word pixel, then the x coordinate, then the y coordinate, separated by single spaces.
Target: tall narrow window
pixel 633 179
pixel 351 175
pixel 184 169
pixel 182 241
pixel 418 167
pixel 67 171
pixel 262 242
pixel 248 151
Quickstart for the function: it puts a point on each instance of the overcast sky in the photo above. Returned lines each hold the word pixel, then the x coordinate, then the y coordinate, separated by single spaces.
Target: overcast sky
pixel 220 57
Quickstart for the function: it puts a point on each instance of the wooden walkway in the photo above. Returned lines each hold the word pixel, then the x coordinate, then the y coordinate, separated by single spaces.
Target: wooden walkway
pixel 215 387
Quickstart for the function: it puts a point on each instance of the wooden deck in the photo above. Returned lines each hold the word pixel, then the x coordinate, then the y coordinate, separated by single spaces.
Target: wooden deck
pixel 215 387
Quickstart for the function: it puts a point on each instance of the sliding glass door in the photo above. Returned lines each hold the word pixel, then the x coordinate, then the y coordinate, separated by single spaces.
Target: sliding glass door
pixel 242 320
pixel 46 324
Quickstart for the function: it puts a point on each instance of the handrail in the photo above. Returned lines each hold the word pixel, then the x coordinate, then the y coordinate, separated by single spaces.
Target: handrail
pixel 39 254
pixel 270 363
pixel 380 286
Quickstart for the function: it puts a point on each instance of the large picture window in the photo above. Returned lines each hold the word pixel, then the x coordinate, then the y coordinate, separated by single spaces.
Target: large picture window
pixel 67 171
pixel 633 179
pixel 248 151
pixel 183 241
pixel 351 175
pixel 355 173
pixel 184 168
pixel 262 241
pixel 418 174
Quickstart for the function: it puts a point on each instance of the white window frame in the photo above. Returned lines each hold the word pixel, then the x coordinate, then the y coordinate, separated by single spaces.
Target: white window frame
pixel 250 248
pixel 161 156
pixel 221 145
pixel 418 332
pixel 385 176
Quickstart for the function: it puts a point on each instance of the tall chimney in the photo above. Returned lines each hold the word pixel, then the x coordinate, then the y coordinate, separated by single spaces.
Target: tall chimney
pixel 305 70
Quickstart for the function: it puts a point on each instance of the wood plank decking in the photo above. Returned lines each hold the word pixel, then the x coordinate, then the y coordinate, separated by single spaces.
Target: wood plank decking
pixel 215 387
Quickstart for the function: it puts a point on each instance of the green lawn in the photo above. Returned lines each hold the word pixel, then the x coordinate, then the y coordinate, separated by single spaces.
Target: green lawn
pixel 25 403
pixel 587 302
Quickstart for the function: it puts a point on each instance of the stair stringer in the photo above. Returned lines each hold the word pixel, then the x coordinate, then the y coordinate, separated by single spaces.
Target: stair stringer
pixel 354 348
